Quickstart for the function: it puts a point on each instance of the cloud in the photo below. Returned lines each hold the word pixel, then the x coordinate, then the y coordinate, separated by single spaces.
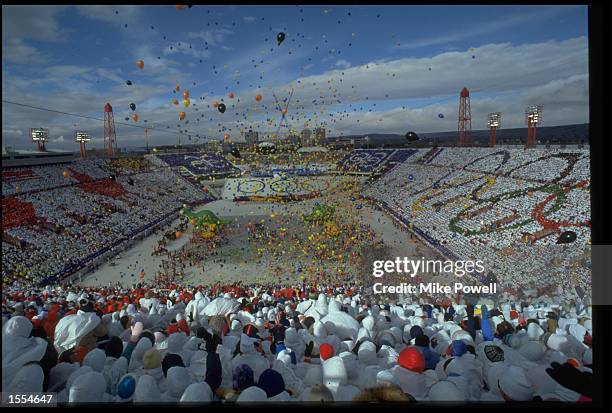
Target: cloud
pixel 371 95
pixel 479 30
pixel 249 19
pixel 343 64
pixel 33 22
pixel 17 132
pixel 212 37
pixel 58 139
pixel 108 14
pixel 17 51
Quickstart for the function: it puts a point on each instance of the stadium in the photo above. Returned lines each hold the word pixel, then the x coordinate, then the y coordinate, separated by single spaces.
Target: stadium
pixel 241 272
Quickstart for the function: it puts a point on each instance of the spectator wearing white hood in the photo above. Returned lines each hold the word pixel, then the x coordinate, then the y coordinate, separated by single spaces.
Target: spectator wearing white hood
pixel 87 389
pixel 249 356
pixel 18 348
pixel 29 378
pixel 146 390
pixel 177 381
pixel 197 393
pixel 335 378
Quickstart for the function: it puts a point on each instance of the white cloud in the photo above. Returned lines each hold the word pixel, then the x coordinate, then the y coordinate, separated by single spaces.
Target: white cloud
pixel 343 64
pixel 12 132
pixel 212 37
pixel 17 51
pixel 32 22
pixel 58 139
pixel 108 14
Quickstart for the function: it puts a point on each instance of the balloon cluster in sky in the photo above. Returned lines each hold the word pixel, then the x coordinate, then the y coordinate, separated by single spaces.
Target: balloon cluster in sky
pixel 253 108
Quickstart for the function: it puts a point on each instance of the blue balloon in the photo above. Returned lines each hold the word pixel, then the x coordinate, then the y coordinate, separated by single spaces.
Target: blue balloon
pixel 410 177
pixel 126 387
pixel 441 115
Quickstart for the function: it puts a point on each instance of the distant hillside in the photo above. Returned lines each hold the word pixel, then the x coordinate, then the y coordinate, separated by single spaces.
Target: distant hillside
pixel 556 134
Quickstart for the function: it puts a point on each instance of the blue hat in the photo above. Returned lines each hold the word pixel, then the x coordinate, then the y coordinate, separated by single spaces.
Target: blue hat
pixel 243 377
pixel 126 387
pixel 458 347
pixel 271 381
pixel 415 331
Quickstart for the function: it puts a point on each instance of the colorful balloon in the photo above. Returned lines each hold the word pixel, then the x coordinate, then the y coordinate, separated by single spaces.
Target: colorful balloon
pixel 177 87
pixel 180 6
pixel 258 98
pixel 182 115
pixel 175 101
pixel 186 102
pixel 140 64
pixel 186 94
pixel 231 95
pixel 135 117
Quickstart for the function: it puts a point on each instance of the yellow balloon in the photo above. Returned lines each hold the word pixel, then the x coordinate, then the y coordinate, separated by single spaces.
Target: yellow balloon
pixel 186 102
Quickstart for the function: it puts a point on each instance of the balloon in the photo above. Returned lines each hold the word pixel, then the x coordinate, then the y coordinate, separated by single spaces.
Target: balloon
pixel 180 6
pixel 280 38
pixel 566 237
pixel 226 136
pixel 133 106
pixel 441 115
pixel 192 222
pixel 178 234
pixel 215 104
pixel 135 117
pixel 128 82
pixel 186 94
pixel 140 64
pixel 258 98
pixel 175 101
pixel 284 111
pixel 231 95
pixel 411 136
pixel 221 108
pixel 177 87
pixel 186 102
pixel 182 115
pixel 66 174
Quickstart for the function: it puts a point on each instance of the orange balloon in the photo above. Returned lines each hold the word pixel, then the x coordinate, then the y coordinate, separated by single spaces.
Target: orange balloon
pixel 140 64
pixel 135 117
pixel 178 234
pixel 175 101
pixel 66 174
pixel 258 98
pixel 226 136
pixel 231 95
pixel 177 88
pixel 186 94
pixel 182 115
pixel 215 104
pixel 284 111
pixel 180 7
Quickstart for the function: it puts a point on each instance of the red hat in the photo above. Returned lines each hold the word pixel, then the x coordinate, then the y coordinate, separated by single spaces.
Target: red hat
pixel 412 359
pixel 326 351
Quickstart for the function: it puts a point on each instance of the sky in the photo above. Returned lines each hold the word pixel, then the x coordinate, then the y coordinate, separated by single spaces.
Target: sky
pixel 352 69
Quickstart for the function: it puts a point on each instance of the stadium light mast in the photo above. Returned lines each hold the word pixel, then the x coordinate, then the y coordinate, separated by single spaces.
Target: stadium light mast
pixel 464 125
pixel 82 137
pixel 533 116
pixel 40 136
pixel 110 137
pixel 494 123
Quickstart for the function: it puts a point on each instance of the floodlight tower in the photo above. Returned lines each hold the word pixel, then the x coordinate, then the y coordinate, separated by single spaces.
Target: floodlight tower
pixel 465 118
pixel 494 122
pixel 40 136
pixel 110 137
pixel 82 137
pixel 533 116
